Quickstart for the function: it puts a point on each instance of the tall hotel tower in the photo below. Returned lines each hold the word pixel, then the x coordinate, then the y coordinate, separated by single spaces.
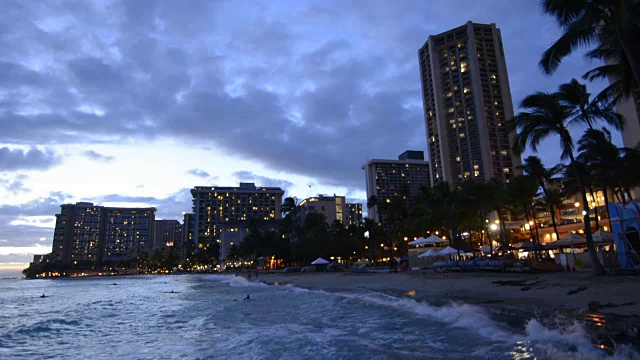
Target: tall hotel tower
pixel 467 103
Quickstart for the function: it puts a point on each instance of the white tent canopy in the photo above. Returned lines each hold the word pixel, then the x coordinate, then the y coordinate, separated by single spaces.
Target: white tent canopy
pixel 433 239
pixel 418 241
pixel 429 253
pixel 319 261
pixel 569 239
pixel 448 251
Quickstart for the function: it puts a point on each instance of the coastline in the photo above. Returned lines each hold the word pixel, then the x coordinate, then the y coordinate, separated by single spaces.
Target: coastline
pixel 612 295
pixel 605 306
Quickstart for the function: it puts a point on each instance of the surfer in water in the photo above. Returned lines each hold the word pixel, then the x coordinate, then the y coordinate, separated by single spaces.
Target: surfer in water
pixel 44 296
pixel 247 298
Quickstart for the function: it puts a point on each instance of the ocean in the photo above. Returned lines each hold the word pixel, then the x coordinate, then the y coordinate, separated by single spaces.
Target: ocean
pixel 206 317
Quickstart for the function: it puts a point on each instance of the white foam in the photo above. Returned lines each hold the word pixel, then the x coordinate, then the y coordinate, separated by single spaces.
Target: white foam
pixel 456 315
pixel 567 342
pixel 237 281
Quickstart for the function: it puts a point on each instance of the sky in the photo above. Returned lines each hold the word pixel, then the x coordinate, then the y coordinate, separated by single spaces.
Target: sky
pixel 132 103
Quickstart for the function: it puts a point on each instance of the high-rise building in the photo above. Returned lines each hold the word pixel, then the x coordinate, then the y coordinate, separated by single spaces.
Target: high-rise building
pixel 467 102
pixel 354 214
pixel 215 206
pixel 128 231
pixel 167 234
pixel 630 111
pixel 77 234
pixel 188 225
pixel 332 207
pixel 87 234
pixel 389 179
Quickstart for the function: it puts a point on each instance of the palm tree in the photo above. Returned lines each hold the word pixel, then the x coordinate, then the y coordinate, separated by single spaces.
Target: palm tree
pixel 547 114
pixel 533 167
pixel 602 159
pixel 609 27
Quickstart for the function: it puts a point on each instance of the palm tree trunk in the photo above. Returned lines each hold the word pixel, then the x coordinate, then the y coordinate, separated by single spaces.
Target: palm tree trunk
pixel 593 196
pixel 606 204
pixel 553 220
pixel 598 269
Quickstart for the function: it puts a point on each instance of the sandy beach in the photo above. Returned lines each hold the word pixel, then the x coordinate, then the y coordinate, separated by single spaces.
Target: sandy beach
pixel 580 291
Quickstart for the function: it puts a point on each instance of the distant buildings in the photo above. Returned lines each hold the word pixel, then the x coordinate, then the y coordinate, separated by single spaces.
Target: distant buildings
pixel 354 214
pixel 334 208
pixel 216 207
pixel 167 234
pixel 86 234
pixel 402 178
pixel 467 102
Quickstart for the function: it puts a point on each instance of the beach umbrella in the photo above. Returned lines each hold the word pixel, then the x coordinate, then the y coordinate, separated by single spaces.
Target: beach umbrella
pixel 418 241
pixel 530 246
pixel 448 251
pixel 506 248
pixel 428 253
pixel 319 261
pixel 602 236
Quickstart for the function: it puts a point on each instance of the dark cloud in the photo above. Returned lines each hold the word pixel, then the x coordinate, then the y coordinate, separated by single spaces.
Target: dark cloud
pixel 316 89
pixel 32 159
pixel 248 176
pixel 170 207
pixel 98 157
pixel 198 173
pixel 47 206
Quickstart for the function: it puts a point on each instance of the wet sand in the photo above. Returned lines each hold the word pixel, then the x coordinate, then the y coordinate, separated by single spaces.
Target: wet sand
pixel 580 291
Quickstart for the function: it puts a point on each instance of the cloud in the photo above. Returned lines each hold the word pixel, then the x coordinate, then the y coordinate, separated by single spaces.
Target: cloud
pixel 170 207
pixel 98 157
pixel 15 185
pixel 198 173
pixel 316 89
pixel 248 176
pixel 32 159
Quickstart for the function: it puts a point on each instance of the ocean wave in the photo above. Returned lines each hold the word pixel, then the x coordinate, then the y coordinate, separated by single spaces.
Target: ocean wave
pixel 236 281
pixel 567 339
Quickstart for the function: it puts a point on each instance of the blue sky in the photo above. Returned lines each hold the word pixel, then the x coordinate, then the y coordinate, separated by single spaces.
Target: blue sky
pixel 135 102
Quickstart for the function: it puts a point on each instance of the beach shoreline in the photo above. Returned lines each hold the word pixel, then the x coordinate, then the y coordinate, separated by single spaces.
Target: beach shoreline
pixel 579 291
pixel 605 306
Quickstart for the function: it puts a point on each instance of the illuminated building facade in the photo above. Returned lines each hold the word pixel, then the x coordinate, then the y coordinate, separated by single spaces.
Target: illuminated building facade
pixel 402 178
pixel 77 234
pixel 467 102
pixel 215 206
pixel 86 234
pixel 334 208
pixel 128 231
pixel 354 214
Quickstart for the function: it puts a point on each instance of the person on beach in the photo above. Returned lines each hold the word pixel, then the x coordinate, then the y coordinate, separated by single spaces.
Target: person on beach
pixel 256 272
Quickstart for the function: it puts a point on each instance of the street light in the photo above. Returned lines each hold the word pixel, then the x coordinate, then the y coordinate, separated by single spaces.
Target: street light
pixel 493 227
